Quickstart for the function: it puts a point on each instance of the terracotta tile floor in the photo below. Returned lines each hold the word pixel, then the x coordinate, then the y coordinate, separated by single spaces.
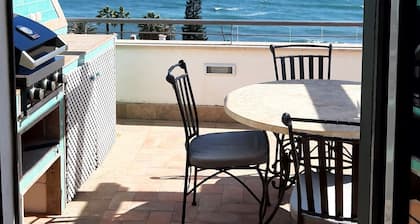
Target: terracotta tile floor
pixel 141 181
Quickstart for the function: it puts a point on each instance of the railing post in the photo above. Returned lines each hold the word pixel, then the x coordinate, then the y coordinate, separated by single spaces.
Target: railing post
pixel 357 34
pixel 231 34
pixel 290 34
pixel 237 33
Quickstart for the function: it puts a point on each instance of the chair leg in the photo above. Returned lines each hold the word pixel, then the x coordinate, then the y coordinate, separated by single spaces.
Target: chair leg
pixel 265 200
pixel 279 142
pixel 194 202
pixel 184 199
pixel 300 218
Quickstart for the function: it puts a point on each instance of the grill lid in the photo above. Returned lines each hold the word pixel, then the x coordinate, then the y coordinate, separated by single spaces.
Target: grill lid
pixel 34 43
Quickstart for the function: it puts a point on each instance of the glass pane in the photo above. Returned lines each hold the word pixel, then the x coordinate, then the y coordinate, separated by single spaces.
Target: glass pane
pixel 415 152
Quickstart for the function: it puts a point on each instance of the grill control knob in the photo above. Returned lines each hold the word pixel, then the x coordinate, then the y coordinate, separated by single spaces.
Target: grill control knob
pixel 57 77
pixel 36 93
pixel 48 85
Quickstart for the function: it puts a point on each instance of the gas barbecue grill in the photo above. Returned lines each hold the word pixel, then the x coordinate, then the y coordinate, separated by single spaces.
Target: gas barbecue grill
pixel 38 64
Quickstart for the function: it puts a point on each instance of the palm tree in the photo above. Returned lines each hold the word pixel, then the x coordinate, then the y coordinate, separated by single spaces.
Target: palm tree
pixel 193 11
pixel 121 13
pixel 152 31
pixel 107 12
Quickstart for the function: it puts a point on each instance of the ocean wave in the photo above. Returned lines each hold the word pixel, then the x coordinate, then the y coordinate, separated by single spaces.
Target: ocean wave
pixel 225 9
pixel 257 14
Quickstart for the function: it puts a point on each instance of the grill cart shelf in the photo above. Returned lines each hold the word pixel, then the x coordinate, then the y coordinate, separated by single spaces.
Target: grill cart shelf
pixel 65 100
pixel 40 114
pixel 41 158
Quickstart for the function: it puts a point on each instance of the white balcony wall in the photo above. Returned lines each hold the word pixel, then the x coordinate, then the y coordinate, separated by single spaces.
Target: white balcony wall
pixel 142 67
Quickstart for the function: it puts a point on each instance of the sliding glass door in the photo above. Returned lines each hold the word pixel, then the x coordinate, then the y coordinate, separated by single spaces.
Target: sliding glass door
pixel 390 131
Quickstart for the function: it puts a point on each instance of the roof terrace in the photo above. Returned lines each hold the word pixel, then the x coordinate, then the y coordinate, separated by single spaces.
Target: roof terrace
pixel 141 181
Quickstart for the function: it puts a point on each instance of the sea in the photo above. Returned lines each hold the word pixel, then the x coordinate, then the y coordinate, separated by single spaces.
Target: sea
pixel 282 10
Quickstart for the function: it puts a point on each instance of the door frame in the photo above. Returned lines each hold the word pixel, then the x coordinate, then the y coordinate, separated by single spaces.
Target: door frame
pixel 8 154
pixel 386 111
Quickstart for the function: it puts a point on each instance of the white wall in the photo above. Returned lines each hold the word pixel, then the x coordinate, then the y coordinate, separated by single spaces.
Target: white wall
pixel 142 67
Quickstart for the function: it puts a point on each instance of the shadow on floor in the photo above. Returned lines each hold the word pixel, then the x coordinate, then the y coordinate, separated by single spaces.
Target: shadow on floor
pixel 221 200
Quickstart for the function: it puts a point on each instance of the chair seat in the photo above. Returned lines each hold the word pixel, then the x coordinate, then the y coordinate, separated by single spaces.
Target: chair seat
pixel 347 195
pixel 229 149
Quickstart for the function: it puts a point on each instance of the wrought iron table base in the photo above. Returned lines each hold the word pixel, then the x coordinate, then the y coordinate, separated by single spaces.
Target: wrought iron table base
pixel 280 178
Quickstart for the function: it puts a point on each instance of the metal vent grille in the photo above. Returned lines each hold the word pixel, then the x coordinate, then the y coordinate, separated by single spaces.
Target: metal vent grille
pixel 227 69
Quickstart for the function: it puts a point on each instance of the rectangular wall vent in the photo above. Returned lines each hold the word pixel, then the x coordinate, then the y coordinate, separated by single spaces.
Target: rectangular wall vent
pixel 220 69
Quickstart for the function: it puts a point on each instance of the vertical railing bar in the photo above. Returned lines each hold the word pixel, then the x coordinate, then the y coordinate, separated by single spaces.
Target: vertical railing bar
pixel 231 34
pixel 237 33
pixel 290 34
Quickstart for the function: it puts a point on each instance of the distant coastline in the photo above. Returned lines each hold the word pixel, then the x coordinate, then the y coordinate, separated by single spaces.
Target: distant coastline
pixel 313 10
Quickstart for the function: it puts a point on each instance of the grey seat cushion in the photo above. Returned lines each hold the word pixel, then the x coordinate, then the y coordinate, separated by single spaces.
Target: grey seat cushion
pixel 229 149
pixel 347 193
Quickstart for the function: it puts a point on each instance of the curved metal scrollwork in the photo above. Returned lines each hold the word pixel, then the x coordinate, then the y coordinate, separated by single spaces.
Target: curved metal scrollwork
pixel 281 177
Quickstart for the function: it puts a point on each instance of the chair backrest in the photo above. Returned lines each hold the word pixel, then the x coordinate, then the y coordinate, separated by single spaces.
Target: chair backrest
pixel 328 172
pixel 185 98
pixel 301 66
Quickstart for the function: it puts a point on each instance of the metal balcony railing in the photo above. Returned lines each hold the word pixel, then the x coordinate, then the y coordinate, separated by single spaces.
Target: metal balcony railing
pixel 223 30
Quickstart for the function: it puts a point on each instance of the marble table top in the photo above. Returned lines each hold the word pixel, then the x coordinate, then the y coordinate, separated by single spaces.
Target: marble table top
pixel 261 105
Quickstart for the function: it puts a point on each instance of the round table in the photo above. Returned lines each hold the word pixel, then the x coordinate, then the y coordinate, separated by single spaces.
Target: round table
pixel 261 105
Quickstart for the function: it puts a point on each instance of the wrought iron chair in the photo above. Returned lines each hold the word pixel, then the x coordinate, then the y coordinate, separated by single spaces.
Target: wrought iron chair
pixel 218 151
pixel 291 67
pixel 302 66
pixel 324 192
